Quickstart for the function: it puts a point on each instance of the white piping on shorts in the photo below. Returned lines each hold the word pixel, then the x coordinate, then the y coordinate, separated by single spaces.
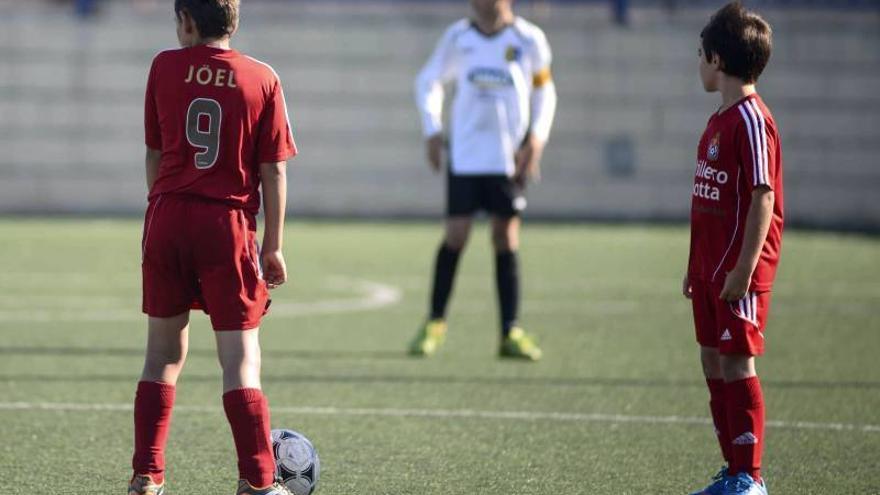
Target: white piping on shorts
pixel 149 226
pixel 247 244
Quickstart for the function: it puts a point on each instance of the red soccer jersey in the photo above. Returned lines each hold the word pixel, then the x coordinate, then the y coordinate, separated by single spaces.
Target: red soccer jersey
pixel 216 115
pixel 739 151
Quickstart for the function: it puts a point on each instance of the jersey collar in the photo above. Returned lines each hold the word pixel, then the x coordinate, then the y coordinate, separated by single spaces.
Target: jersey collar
pixel 484 34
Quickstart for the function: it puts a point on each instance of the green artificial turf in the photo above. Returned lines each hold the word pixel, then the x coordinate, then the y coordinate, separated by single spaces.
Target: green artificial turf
pixel 617 406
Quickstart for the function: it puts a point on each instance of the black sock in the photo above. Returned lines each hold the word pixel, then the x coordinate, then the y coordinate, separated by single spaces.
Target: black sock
pixel 507 281
pixel 444 274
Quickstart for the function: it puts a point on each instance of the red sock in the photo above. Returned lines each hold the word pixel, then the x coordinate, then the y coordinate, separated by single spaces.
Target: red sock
pixel 152 420
pixel 248 414
pixel 719 416
pixel 745 416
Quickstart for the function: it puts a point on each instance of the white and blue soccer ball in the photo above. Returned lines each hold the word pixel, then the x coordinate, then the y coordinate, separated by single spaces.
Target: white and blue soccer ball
pixel 296 461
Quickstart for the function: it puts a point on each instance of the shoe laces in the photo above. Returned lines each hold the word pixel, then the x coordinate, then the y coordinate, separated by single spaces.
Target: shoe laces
pixel 720 475
pixel 738 484
pixel 282 490
pixel 435 329
pixel 143 483
pixel 281 487
pixel 522 339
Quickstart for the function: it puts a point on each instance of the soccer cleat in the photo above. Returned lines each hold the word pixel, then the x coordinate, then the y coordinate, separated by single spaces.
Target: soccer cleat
pixel 743 484
pixel 430 337
pixel 142 484
pixel 245 488
pixel 717 485
pixel 520 345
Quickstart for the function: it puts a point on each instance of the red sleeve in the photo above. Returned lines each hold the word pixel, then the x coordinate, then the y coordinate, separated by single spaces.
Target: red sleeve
pixel 756 145
pixel 152 132
pixel 275 142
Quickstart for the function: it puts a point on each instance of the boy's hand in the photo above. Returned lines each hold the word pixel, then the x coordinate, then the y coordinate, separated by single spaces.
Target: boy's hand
pixel 528 160
pixel 736 284
pixel 686 288
pixel 435 152
pixel 274 268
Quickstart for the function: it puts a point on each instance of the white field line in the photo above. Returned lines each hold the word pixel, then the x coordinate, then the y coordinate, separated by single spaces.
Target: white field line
pixel 370 296
pixel 451 414
pixel 374 295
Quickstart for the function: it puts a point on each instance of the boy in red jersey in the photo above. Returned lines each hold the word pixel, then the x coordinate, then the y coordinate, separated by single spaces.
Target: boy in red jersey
pixel 736 236
pixel 216 131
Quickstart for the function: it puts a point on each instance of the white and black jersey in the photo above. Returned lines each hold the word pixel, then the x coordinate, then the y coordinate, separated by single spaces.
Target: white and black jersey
pixel 503 89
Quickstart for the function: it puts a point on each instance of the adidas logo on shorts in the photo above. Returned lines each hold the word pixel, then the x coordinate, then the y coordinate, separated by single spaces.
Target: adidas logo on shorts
pixel 726 335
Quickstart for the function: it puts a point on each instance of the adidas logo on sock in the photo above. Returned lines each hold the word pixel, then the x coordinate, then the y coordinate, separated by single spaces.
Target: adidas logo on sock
pixel 747 438
pixel 726 335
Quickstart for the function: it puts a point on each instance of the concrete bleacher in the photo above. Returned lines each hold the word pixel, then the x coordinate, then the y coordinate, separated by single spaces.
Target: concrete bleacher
pixel 71 107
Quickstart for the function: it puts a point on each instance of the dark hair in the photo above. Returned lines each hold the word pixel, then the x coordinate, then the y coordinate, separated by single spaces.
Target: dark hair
pixel 741 39
pixel 214 18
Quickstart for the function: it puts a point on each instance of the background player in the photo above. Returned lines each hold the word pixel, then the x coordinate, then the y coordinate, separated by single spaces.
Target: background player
pixel 501 118
pixel 736 237
pixel 216 130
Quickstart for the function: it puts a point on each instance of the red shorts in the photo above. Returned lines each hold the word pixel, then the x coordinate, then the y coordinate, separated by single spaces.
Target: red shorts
pixel 201 254
pixel 731 327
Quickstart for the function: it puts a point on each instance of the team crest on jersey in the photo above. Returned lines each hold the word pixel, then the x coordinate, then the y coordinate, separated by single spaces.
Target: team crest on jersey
pixel 513 53
pixel 712 152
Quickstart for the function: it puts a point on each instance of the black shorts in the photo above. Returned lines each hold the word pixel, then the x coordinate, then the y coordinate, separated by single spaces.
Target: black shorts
pixel 498 195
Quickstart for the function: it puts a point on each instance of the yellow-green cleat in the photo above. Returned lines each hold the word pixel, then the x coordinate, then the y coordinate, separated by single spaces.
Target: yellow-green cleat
pixel 520 345
pixel 430 337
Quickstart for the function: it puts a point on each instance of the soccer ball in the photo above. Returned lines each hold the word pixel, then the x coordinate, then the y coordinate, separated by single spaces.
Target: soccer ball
pixel 296 461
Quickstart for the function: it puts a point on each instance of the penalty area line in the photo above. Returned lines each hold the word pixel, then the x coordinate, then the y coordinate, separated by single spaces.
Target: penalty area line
pixel 561 417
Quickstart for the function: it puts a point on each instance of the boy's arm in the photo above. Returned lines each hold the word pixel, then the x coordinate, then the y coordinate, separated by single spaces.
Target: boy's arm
pixel 757 225
pixel 543 109
pixel 273 177
pixel 152 160
pixel 430 94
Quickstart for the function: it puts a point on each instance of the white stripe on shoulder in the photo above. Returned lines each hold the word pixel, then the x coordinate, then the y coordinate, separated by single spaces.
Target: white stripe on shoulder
pixel 751 127
pixel 763 135
pixel 760 142
pixel 264 64
pixel 280 90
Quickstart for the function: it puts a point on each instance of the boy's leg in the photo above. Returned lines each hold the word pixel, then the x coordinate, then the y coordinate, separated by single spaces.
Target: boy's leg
pixel 432 334
pixel 745 322
pixel 745 413
pixel 515 342
pixel 462 201
pixel 458 230
pixel 505 201
pixel 237 297
pixel 708 333
pixel 246 407
pixel 166 353
pixel 711 362
pixel 505 240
